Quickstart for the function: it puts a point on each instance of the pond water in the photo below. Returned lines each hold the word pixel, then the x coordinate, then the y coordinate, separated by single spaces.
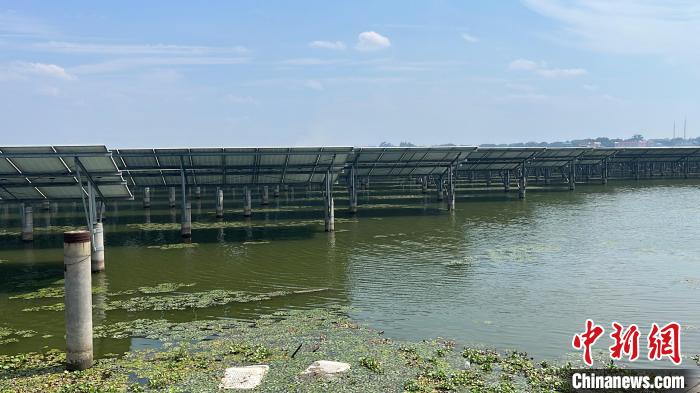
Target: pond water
pixel 498 272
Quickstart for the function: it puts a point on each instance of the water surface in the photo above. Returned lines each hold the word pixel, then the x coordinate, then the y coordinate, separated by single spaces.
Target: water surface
pixel 498 272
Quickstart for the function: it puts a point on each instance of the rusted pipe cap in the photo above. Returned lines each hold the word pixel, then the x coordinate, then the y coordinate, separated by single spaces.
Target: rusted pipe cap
pixel 76 237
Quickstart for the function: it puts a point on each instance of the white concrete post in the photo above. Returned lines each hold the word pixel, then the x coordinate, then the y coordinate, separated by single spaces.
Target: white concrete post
pixel 27 223
pixel 171 197
pixel 329 206
pixel 522 182
pixel 506 181
pixel 352 190
pixel 424 186
pixel 276 193
pixel 572 175
pixel 98 249
pixel 450 190
pixel 247 203
pixel 147 197
pixel 440 189
pixel 220 203
pixel 78 299
pixel 604 172
pixel 265 196
pixel 198 192
pixel 186 226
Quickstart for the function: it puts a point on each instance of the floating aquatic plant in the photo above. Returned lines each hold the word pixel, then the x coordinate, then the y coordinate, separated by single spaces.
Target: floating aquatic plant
pixel 216 297
pixel 288 342
pixel 175 246
pixel 10 335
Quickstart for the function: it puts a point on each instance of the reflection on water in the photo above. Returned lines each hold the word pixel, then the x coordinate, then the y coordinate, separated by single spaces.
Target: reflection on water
pixel 498 271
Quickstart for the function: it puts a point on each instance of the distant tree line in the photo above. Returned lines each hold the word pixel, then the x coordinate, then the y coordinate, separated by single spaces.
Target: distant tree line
pixel 635 140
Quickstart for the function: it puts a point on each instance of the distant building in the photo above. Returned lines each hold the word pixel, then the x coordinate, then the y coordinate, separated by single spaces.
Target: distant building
pixel 632 143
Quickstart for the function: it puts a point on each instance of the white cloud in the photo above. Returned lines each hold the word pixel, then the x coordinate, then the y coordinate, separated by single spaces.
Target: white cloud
pixel 543 70
pixel 371 41
pixel 50 70
pixel 469 38
pixel 660 27
pixel 134 49
pixel 14 24
pixel 236 99
pixel 557 73
pixel 49 91
pixel 137 62
pixel 523 64
pixel 333 45
pixel 314 85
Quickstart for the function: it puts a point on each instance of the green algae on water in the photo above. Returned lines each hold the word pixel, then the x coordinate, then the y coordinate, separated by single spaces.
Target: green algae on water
pixel 378 364
pixel 216 297
pixel 10 335
pixel 175 246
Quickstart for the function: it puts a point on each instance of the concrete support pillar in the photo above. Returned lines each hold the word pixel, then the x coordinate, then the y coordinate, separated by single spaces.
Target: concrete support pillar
pixel 46 205
pixel 78 299
pixel 488 179
pixel 27 223
pixel 637 170
pixel 219 203
pixel 424 184
pixel 247 202
pixel 265 198
pixel 604 171
pixel 352 190
pixel 685 168
pixel 329 216
pixel 440 189
pixel 198 192
pixel 506 181
pixel 522 182
pixel 98 248
pixel 147 197
pixel 545 175
pixel 171 197
pixel 186 226
pixel 276 192
pixel 572 175
pixel 450 189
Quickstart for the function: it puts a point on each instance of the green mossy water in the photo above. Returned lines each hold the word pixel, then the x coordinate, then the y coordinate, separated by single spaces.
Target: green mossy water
pixel 186 363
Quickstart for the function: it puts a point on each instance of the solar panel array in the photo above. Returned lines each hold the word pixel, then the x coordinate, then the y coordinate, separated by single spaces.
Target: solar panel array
pixel 51 172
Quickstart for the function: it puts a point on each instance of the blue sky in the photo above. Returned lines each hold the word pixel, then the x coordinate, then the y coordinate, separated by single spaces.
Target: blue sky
pixel 249 73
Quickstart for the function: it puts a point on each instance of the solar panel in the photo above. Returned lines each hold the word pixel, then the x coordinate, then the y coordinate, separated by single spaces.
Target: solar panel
pixel 51 172
pixel 498 158
pixel 406 161
pixel 231 166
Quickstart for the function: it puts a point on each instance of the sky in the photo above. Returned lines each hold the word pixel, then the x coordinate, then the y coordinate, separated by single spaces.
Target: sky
pixel 353 73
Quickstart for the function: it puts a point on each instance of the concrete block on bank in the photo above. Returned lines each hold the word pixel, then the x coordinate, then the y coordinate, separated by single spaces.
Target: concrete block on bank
pixel 244 378
pixel 325 369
